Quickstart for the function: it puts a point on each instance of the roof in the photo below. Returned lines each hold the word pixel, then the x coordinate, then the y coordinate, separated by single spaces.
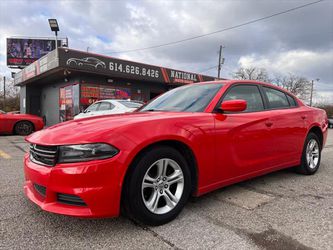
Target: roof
pixel 66 61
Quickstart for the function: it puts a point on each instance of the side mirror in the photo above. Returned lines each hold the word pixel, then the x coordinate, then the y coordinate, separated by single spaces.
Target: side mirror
pixel 233 106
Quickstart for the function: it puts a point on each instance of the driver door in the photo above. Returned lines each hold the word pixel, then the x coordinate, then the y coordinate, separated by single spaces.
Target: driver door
pixel 243 141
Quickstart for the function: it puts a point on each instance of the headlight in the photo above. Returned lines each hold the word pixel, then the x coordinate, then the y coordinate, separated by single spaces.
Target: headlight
pixel 86 152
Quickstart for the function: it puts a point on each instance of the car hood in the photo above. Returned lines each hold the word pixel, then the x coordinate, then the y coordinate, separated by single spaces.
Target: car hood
pixel 85 130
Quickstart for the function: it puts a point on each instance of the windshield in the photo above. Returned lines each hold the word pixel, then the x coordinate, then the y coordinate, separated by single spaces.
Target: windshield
pixel 129 104
pixel 190 98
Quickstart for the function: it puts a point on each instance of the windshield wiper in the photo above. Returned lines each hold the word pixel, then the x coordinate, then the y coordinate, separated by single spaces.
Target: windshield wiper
pixel 151 110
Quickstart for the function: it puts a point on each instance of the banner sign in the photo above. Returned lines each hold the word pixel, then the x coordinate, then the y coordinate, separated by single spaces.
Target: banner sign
pixel 115 67
pixel 93 93
pixel 24 51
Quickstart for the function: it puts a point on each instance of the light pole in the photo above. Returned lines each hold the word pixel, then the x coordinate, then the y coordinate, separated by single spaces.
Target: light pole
pixel 55 27
pixel 311 94
pixel 4 93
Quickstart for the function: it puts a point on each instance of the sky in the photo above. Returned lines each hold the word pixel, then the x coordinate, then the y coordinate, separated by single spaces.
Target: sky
pixel 299 42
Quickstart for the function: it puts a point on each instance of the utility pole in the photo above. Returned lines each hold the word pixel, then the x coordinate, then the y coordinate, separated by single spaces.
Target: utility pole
pixel 311 93
pixel 221 61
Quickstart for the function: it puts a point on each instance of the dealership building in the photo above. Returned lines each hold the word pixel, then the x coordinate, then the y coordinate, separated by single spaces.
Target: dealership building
pixel 65 82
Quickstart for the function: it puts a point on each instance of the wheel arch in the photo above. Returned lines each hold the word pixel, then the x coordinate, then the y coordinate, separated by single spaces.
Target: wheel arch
pixel 180 146
pixel 318 132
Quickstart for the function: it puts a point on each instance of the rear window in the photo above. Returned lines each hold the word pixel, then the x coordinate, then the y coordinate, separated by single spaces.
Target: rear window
pixel 276 98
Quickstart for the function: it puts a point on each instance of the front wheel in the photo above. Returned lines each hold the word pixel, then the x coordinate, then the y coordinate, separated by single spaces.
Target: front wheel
pixel 311 155
pixel 158 186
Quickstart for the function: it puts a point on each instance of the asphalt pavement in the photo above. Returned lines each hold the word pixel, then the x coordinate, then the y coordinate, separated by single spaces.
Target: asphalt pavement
pixel 282 210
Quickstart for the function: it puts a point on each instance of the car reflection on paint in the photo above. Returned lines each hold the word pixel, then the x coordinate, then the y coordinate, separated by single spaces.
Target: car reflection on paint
pixel 88 61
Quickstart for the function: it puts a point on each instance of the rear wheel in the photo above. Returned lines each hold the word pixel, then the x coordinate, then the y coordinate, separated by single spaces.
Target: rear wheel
pixel 158 187
pixel 23 128
pixel 311 156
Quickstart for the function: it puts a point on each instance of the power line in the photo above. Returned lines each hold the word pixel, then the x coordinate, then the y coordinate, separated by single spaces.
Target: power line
pixel 219 31
pixel 204 70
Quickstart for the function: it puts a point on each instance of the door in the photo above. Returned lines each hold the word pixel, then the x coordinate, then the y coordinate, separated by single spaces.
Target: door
pixel 243 142
pixel 287 127
pixel 35 105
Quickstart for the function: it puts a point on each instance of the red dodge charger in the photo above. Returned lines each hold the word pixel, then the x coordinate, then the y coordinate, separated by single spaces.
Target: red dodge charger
pixel 20 124
pixel 189 141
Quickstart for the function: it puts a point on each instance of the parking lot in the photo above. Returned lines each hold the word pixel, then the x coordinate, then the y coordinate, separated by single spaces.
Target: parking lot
pixel 282 210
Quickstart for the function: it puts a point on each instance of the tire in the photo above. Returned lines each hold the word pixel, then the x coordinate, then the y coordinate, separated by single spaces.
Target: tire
pixel 23 128
pixel 311 150
pixel 153 205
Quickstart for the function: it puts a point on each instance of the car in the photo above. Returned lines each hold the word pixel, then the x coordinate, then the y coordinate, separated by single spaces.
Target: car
pixel 87 61
pixel 20 124
pixel 109 106
pixel 189 141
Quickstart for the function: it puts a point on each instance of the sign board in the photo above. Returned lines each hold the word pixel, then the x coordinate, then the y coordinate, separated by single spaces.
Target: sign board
pixel 115 67
pixel 24 51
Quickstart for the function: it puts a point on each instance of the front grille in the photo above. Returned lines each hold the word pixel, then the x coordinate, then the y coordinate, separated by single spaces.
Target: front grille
pixel 70 199
pixel 40 189
pixel 44 155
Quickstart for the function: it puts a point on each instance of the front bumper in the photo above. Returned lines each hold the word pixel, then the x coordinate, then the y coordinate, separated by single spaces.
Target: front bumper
pixel 96 183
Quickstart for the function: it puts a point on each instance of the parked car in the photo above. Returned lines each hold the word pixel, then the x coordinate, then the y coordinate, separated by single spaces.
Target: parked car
pixel 109 106
pixel 330 123
pixel 189 141
pixel 20 124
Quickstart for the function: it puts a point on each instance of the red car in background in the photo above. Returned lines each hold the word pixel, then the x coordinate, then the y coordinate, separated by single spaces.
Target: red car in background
pixel 20 124
pixel 189 141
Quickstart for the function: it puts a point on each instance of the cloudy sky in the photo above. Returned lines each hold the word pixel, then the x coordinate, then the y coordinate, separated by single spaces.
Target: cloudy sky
pixel 298 42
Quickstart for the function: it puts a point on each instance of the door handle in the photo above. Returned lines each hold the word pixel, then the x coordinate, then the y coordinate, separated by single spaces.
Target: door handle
pixel 269 124
pixel 303 117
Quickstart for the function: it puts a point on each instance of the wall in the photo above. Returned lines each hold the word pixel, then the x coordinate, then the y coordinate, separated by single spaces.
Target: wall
pixel 50 101
pixel 23 99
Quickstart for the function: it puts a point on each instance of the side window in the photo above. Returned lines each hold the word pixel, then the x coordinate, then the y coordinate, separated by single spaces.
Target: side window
pixel 276 98
pixel 249 93
pixel 105 106
pixel 292 101
pixel 93 107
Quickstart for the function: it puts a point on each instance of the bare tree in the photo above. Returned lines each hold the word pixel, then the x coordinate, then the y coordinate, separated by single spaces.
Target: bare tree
pixel 298 85
pixel 12 95
pixel 251 73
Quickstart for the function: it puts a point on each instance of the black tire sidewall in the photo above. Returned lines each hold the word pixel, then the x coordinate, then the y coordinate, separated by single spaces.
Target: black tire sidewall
pixel 17 130
pixel 304 164
pixel 137 207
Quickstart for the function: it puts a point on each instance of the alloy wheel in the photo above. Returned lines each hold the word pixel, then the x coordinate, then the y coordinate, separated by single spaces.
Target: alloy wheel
pixel 312 153
pixel 162 186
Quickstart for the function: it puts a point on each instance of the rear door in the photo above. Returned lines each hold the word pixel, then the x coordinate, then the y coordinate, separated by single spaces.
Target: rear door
pixel 287 126
pixel 243 141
